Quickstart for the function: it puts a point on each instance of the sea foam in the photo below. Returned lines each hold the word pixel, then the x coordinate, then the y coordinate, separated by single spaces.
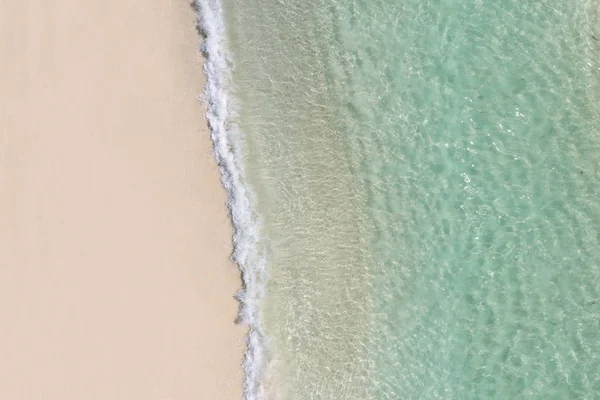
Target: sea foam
pixel 228 141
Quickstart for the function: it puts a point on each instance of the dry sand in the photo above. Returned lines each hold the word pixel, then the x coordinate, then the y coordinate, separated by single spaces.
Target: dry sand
pixel 115 281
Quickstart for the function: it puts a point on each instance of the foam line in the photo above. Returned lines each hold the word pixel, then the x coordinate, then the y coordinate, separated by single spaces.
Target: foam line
pixel 227 147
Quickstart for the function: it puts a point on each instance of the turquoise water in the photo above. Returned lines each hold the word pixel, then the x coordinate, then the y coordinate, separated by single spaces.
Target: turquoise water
pixel 424 180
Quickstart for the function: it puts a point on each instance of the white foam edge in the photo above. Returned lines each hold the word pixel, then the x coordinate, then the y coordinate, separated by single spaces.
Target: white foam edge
pixel 227 142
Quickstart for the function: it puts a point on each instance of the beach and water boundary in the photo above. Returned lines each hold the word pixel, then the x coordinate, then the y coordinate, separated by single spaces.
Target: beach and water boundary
pixel 227 142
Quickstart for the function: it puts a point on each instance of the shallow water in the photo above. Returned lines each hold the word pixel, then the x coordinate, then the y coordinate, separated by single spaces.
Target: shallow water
pixel 426 175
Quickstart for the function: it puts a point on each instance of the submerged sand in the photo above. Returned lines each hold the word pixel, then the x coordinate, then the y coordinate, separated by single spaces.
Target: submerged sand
pixel 115 280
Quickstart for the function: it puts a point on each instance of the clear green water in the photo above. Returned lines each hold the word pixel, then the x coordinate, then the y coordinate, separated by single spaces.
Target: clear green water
pixel 427 173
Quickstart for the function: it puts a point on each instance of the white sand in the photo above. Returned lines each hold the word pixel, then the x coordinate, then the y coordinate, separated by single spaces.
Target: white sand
pixel 115 281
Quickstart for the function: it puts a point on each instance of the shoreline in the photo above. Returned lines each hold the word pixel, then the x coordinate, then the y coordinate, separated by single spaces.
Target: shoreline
pixel 115 279
pixel 228 143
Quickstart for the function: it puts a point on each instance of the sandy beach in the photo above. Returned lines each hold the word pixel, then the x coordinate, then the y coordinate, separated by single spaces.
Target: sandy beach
pixel 115 279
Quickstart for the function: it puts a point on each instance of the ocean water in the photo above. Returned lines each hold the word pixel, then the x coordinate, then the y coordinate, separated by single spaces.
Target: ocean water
pixel 415 189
